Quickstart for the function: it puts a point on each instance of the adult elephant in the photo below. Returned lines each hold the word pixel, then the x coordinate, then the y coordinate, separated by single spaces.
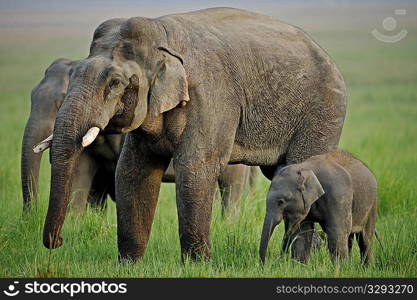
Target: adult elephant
pixel 46 98
pixel 204 88
pixel 95 170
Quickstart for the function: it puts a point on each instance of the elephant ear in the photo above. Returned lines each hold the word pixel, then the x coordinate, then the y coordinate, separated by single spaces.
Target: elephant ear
pixel 124 118
pixel 170 86
pixel 310 187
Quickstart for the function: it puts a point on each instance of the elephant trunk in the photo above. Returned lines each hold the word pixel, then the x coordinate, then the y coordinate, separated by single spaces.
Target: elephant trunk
pixel 36 130
pixel 77 126
pixel 270 223
pixel 65 152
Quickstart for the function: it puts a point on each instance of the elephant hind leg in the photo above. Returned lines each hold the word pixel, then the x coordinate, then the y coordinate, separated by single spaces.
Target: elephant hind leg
pixel 102 186
pixel 365 240
pixel 350 243
pixel 230 195
pixel 81 187
pixel 365 246
pixel 253 177
pixel 232 182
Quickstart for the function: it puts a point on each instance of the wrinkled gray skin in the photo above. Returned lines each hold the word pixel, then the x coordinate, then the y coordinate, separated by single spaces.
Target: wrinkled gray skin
pixel 335 190
pixel 94 178
pixel 94 174
pixel 232 182
pixel 205 89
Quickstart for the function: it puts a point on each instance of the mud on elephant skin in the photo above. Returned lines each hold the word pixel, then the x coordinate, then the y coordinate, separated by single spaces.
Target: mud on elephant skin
pixel 335 190
pixel 204 88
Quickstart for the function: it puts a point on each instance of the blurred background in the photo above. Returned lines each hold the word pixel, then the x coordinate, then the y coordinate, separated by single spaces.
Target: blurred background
pixel 41 30
pixel 374 44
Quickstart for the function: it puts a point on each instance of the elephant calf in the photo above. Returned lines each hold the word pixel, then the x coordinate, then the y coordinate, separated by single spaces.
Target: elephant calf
pixel 336 190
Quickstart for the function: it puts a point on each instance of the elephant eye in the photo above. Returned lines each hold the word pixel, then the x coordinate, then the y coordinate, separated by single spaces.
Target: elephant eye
pixel 280 202
pixel 114 83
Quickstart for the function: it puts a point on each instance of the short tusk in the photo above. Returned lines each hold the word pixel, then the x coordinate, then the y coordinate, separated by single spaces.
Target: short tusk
pixel 90 136
pixel 45 144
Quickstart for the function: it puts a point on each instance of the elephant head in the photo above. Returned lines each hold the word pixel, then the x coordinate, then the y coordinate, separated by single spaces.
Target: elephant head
pixel 131 76
pixel 46 98
pixel 292 192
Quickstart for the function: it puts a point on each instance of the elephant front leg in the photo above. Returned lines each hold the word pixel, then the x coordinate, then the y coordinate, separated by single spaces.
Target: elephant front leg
pixel 138 180
pixel 195 187
pixel 337 242
pixel 338 246
pixel 338 229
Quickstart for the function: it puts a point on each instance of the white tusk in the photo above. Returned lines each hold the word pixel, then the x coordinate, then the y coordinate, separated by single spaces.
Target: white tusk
pixel 45 144
pixel 90 136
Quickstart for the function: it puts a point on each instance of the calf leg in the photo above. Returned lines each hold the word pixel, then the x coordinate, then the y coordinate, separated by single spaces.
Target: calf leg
pixel 300 241
pixel 365 241
pixel 301 246
pixel 338 245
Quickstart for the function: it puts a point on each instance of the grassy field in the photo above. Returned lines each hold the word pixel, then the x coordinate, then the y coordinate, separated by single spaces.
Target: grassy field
pixel 380 128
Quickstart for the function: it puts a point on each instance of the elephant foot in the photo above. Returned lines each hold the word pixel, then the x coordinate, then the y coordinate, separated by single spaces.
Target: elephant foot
pixel 130 253
pixel 195 252
pixel 50 243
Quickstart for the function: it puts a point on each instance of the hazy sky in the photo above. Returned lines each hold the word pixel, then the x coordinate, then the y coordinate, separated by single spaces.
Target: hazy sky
pixel 45 5
pixel 22 16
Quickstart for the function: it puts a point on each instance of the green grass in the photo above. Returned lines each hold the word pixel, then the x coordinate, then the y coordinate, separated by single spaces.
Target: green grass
pixel 380 128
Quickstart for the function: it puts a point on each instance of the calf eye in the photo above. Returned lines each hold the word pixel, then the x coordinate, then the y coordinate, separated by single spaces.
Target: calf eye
pixel 281 202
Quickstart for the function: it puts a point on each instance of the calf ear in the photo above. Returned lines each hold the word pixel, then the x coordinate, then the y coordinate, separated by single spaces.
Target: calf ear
pixel 309 187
